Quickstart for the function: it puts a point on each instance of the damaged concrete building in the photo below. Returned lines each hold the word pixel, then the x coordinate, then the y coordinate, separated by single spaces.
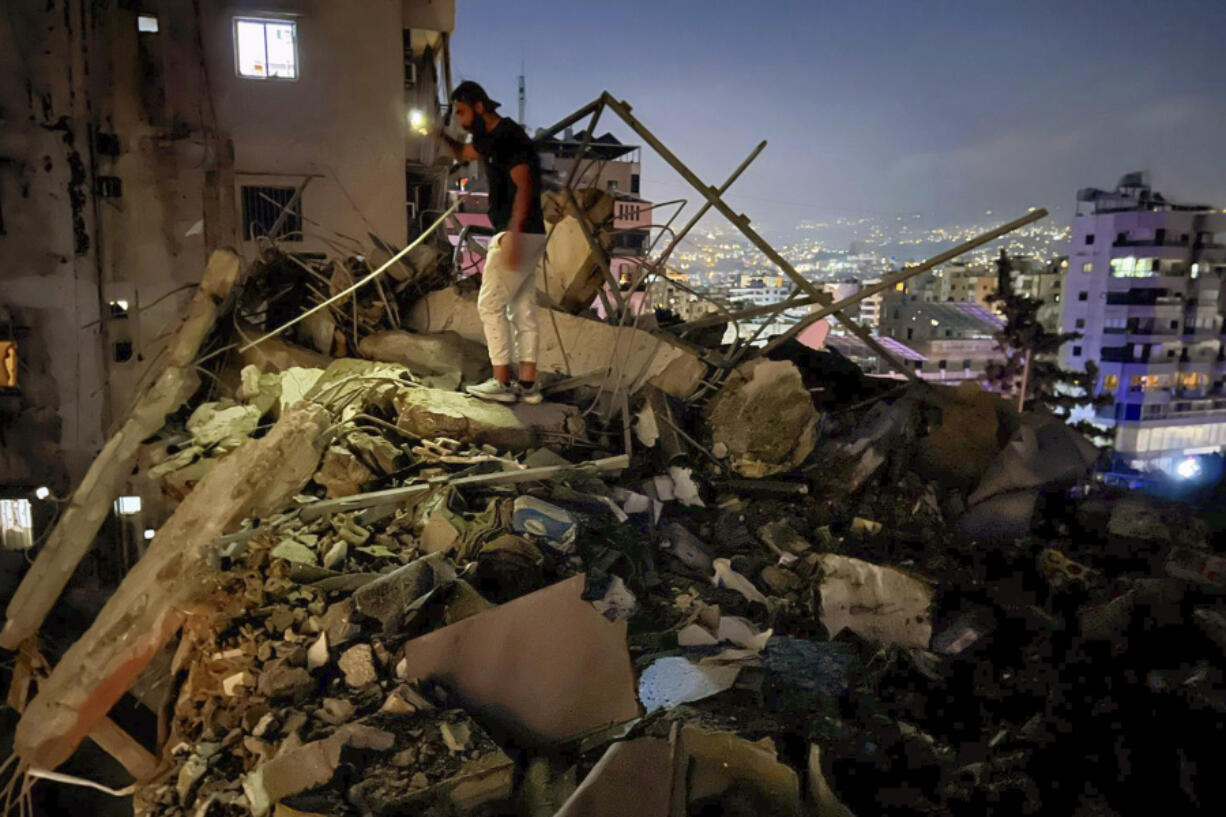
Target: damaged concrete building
pixel 139 137
pixel 700 578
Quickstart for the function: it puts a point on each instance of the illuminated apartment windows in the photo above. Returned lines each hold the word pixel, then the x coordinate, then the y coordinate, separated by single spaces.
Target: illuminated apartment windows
pixel 266 48
pixel 16 524
pixel 1130 267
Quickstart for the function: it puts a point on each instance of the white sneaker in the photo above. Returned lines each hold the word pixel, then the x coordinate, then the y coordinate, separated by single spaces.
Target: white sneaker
pixel 493 390
pixel 529 394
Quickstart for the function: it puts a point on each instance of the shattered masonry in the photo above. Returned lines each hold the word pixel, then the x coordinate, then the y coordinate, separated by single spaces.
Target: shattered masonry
pixel 704 585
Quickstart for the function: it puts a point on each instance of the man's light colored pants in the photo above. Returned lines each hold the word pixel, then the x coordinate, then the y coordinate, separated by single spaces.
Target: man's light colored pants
pixel 507 300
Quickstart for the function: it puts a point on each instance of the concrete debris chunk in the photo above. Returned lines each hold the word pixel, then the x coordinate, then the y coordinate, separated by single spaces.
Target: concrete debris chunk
pixel 175 575
pixel 435 413
pixel 428 354
pixel 881 603
pixel 342 473
pixel 291 550
pixel 576 346
pixel 755 390
pixel 308 766
pixel 358 665
pixel 222 424
pixel 388 597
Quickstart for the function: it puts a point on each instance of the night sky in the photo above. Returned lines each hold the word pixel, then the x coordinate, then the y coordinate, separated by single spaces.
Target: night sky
pixel 881 108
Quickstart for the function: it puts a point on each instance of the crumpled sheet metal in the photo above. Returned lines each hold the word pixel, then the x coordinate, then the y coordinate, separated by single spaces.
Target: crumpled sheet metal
pixel 881 603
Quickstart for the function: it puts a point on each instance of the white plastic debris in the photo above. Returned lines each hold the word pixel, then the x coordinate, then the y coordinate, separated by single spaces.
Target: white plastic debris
pixel 725 576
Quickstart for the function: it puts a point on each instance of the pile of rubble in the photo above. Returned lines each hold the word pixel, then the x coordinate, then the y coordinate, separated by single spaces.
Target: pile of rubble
pixel 797 590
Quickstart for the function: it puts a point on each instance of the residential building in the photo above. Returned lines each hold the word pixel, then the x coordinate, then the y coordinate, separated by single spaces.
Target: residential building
pixel 139 137
pixel 1042 281
pixel 1144 287
pixel 758 293
pixel 956 340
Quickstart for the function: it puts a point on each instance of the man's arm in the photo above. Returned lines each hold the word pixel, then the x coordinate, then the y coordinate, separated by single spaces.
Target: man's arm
pixel 522 176
pixel 460 151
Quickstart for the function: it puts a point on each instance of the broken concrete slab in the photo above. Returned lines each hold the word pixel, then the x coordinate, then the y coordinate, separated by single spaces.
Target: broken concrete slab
pixel 881 603
pixel 173 580
pixel 436 413
pixel 275 390
pixel 275 355
pixel 575 346
pixel 389 597
pixel 358 385
pixel 429 353
pixel 308 766
pixel 342 473
pixel 430 775
pixel 90 503
pixel 736 416
pixel 224 424
pixel 546 666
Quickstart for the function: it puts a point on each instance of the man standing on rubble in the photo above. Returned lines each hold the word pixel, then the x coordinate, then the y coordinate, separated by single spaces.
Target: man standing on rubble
pixel 507 300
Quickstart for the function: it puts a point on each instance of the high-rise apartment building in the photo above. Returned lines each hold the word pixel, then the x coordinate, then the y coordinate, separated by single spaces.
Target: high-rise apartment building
pixel 1144 287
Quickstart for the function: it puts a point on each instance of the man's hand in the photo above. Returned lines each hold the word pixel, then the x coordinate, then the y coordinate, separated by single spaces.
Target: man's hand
pixel 460 151
pixel 510 248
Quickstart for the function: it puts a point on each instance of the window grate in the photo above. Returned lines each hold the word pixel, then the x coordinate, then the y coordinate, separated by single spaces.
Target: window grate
pixel 263 206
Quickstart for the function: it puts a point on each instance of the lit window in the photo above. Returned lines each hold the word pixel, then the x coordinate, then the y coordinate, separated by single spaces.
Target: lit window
pixel 8 364
pixel 16 524
pixel 1111 382
pixel 147 23
pixel 1088 266
pixel 127 505
pixel 266 49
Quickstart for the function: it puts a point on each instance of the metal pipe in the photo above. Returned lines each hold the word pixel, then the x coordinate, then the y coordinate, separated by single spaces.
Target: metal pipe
pixel 742 223
pixel 706 207
pixel 341 295
pixel 570 120
pixel 904 274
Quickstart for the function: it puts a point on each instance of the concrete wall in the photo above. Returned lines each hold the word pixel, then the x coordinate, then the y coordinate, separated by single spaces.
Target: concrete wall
pixel 342 123
pixel 162 119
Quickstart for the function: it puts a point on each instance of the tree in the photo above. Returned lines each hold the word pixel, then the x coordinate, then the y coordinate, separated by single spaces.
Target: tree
pixel 1023 339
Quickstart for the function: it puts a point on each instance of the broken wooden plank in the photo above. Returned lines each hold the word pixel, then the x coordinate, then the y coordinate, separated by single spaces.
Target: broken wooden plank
pixel 90 503
pixel 176 578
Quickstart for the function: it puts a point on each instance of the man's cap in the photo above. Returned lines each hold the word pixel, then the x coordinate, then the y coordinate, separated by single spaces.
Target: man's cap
pixel 471 93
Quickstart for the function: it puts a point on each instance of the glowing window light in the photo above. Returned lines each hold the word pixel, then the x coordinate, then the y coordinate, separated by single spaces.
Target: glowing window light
pixel 16 524
pixel 127 505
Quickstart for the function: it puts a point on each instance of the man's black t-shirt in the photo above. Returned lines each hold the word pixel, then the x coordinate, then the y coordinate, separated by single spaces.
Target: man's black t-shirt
pixel 502 149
